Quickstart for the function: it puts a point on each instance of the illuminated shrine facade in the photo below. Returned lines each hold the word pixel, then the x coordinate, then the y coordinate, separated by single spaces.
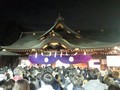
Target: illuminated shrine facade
pixel 59 41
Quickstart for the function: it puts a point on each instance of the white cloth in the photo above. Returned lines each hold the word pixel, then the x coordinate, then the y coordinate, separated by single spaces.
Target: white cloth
pixel 2 77
pixel 46 87
pixel 1 88
pixel 70 86
pixel 10 72
pixel 95 85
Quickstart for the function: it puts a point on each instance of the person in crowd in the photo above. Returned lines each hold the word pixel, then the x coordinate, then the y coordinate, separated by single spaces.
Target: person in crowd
pixel 115 76
pixel 47 79
pixel 38 76
pixel 58 78
pixel 21 85
pixel 32 86
pixel 56 83
pixel 108 81
pixel 113 87
pixel 72 72
pixel 18 73
pixel 9 73
pixel 35 82
pixel 78 82
pixel 32 77
pixel 3 77
pixel 8 85
pixel 94 84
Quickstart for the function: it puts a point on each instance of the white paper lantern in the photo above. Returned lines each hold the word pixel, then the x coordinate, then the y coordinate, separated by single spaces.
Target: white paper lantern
pixel 36 54
pixel 50 54
pixel 55 54
pixel 46 59
pixel 42 53
pixel 61 54
pixel 71 59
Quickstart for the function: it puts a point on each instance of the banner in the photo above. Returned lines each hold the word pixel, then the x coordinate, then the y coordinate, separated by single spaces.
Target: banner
pixel 68 59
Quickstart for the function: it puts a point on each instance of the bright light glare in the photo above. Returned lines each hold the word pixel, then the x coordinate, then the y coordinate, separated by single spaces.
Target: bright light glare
pixel 113 61
pixel 92 63
pixel 115 47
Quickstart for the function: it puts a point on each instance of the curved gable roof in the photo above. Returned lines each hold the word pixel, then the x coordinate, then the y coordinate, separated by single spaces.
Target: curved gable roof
pixel 60 23
pixel 30 40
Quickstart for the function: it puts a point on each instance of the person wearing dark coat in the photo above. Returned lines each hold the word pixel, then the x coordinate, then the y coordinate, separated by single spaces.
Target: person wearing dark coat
pixel 56 85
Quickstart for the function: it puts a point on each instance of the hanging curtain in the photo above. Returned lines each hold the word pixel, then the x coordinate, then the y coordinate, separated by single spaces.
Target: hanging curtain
pixel 68 59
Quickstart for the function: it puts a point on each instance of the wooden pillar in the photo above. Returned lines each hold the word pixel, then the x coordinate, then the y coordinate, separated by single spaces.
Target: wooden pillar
pixel 103 64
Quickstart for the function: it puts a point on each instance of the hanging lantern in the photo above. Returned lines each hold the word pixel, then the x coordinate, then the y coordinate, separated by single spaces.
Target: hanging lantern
pixel 115 51
pixel 75 53
pixel 50 54
pixel 36 54
pixel 84 53
pixel 55 54
pixel 42 53
pixel 66 54
pixel 61 54
pixel 4 50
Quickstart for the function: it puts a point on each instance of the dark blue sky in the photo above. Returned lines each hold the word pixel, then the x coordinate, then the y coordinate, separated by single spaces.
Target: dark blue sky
pixel 87 16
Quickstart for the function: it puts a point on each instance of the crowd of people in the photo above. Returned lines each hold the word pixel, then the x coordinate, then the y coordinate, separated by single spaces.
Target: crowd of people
pixel 58 78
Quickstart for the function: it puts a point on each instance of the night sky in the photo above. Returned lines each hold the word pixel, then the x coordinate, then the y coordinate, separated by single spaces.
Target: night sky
pixel 95 19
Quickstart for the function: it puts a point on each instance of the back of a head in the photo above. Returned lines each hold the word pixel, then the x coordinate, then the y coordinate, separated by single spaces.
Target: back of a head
pixel 107 80
pixel 17 71
pixel 113 87
pixel 56 76
pixel 21 85
pixel 32 86
pixel 8 85
pixel 115 74
pixel 77 80
pixel 47 78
